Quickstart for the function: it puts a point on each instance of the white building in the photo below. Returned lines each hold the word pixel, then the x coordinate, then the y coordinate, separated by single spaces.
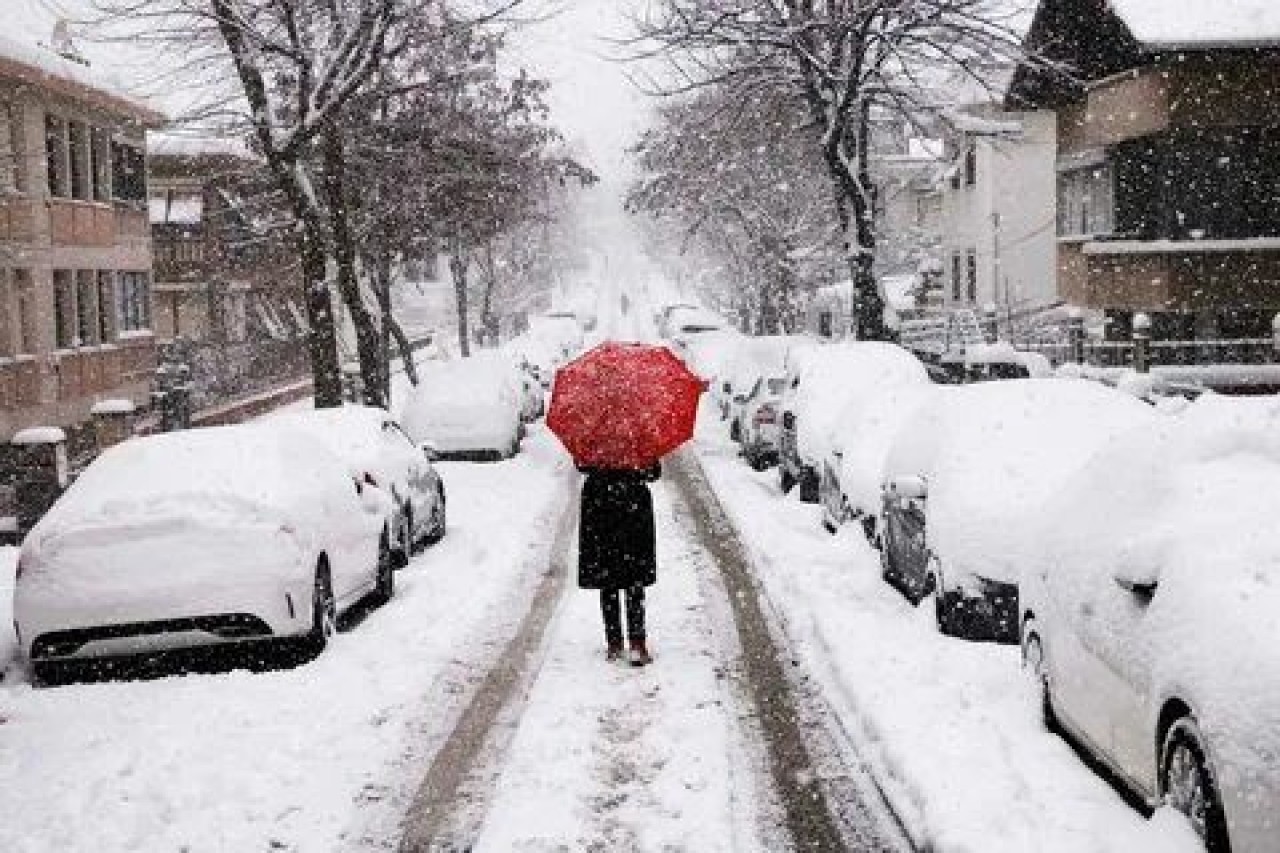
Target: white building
pixel 998 209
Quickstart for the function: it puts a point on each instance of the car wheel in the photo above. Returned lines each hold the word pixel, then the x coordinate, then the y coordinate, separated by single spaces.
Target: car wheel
pixel 405 541
pixel 1188 787
pixel 324 609
pixel 1033 662
pixel 786 482
pixel 438 519
pixel 735 431
pixel 809 485
pixel 385 582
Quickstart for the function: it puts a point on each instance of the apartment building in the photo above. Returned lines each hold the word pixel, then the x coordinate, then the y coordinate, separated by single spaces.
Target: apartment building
pixel 1168 161
pixel 75 246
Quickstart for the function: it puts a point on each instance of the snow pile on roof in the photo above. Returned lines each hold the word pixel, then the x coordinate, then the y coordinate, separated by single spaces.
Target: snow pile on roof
pixel 993 452
pixel 1194 23
pixel 1190 501
pixel 48 64
pixel 168 144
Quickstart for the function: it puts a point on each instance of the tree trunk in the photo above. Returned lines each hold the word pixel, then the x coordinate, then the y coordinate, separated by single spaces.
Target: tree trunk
pixel 489 322
pixel 344 249
pixel 322 337
pixel 458 270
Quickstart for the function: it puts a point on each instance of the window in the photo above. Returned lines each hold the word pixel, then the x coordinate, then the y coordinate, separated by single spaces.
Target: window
pixel 86 308
pixel 970 165
pixel 826 324
pixel 26 294
pixel 133 302
pixel 11 178
pixel 128 173
pixel 1086 201
pixel 7 304
pixel 971 265
pixel 956 277
pixel 55 140
pixel 100 163
pixel 64 309
pixel 106 307
pixel 78 155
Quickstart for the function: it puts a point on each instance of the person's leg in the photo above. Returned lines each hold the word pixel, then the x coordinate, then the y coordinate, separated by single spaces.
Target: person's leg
pixel 635 613
pixel 639 655
pixel 611 610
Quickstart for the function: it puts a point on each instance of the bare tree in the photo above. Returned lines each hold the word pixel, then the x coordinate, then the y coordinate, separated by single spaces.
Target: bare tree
pixel 843 60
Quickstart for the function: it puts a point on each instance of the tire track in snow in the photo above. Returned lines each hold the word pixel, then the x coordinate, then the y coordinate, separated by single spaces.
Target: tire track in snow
pixel 450 800
pixel 827 808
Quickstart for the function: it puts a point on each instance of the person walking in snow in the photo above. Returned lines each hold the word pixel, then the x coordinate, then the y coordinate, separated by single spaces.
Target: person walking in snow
pixel 617 552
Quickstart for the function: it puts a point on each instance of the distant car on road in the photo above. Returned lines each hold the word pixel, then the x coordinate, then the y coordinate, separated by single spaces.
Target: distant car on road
pixel 214 536
pixel 1151 588
pixel 970 468
pixel 380 453
pixel 469 408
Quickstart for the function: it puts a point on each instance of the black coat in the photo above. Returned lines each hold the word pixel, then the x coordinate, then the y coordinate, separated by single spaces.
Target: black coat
pixel 616 547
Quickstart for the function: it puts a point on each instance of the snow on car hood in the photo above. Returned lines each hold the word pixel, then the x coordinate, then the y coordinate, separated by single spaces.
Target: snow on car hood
pixel 996 451
pixel 1191 501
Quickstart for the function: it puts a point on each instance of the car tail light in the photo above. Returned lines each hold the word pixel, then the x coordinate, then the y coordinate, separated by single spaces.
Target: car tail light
pixel 765 415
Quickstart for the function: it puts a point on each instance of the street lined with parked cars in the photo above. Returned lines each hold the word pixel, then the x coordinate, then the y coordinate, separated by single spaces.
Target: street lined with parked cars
pixel 1104 535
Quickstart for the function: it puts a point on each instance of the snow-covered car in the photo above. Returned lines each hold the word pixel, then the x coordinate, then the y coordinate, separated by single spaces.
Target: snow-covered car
pixel 850 484
pixel 685 324
pixel 201 537
pixel 989 362
pixel 756 359
pixel 758 418
pixel 1151 590
pixel 968 469
pixel 662 317
pixel 468 408
pixel 709 354
pixel 379 453
pixel 821 382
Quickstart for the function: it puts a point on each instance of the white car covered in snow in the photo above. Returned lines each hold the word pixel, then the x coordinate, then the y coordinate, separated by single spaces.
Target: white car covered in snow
pixel 821 383
pixel 1149 615
pixel 468 408
pixel 971 467
pixel 202 537
pixel 379 453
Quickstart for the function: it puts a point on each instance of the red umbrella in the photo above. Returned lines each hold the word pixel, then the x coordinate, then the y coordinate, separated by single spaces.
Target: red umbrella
pixel 624 405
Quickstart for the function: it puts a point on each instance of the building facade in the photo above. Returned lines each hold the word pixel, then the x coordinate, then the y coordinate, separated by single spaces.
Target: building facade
pixel 1168 162
pixel 227 282
pixel 998 213
pixel 75 247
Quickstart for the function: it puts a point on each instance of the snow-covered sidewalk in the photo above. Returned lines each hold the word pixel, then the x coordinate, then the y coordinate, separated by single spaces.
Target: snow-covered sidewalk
pixel 949 728
pixel 320 758
pixel 607 757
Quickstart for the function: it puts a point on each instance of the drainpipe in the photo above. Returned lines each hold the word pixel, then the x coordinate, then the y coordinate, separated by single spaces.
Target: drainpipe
pixel 1142 343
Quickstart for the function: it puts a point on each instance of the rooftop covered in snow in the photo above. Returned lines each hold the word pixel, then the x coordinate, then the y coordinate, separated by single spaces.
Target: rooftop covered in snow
pixel 37 65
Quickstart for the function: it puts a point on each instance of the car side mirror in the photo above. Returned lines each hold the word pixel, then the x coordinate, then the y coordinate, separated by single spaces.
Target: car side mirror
pixel 907 487
pixel 1139 582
